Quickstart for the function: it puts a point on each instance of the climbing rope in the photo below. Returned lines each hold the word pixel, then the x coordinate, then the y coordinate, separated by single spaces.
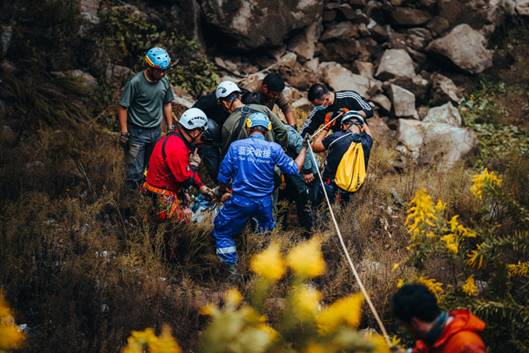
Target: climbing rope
pixel 344 248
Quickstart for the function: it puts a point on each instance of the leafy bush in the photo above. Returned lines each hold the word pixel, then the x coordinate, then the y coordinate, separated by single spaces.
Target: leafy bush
pixel 134 34
pixel 488 266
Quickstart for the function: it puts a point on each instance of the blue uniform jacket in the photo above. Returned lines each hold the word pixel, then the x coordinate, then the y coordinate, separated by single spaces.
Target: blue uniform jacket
pixel 249 166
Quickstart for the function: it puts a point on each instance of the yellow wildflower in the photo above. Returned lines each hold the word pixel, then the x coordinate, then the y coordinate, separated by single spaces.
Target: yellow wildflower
pixel 233 297
pixel 433 285
pixel 165 343
pixel 305 301
pixel 395 267
pixel 470 288
pixel 400 283
pixel 520 269
pixel 480 181
pixel 475 259
pixel 306 259
pixel 139 341
pixel 10 336
pixel 379 343
pixel 270 331
pixel 209 310
pixel 421 212
pixel 451 243
pixel 345 310
pixel 313 347
pixel 458 228
pixel 269 263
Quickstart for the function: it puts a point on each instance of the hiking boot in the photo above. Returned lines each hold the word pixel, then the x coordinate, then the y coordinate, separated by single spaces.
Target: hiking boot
pixel 233 275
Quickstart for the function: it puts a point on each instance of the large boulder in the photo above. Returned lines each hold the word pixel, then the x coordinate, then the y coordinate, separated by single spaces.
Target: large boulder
pixel 445 114
pixel 304 43
pixel 465 47
pixel 341 78
pixel 395 63
pixel 403 102
pixel 408 16
pixel 435 143
pixel 521 7
pixel 258 23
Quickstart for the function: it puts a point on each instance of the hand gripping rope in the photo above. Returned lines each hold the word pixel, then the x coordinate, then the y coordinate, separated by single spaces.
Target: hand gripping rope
pixel 344 248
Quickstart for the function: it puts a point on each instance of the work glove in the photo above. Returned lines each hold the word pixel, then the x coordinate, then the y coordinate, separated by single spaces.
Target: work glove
pixel 194 160
pixel 124 138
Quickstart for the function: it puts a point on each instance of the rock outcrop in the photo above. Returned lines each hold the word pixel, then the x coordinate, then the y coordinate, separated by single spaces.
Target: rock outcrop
pixel 256 23
pixel 465 47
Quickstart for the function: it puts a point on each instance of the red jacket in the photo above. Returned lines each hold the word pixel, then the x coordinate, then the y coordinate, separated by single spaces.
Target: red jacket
pixel 460 335
pixel 172 172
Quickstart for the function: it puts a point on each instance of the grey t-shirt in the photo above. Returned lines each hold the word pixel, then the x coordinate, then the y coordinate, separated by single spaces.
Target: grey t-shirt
pixel 145 100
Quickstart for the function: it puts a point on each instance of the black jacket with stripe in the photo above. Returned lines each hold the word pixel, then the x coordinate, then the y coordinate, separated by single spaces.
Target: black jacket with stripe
pixel 348 100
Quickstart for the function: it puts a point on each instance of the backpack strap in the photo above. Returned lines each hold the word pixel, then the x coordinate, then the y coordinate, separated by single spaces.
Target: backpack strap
pixel 245 111
pixel 172 133
pixel 339 138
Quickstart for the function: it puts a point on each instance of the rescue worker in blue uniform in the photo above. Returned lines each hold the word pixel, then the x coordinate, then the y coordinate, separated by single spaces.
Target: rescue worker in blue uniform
pixel 246 178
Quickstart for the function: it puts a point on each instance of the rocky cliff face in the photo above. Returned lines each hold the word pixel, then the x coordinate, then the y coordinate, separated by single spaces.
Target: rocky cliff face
pixel 406 56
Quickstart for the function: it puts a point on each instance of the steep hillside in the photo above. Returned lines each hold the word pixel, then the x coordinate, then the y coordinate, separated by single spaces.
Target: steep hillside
pixel 81 264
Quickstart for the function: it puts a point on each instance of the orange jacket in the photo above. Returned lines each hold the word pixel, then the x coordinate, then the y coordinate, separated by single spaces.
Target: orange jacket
pixel 460 335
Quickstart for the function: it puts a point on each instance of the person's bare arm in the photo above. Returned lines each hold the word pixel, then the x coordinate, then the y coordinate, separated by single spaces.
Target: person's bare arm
pixel 366 129
pixel 168 115
pixel 317 143
pixel 122 116
pixel 300 159
pixel 291 119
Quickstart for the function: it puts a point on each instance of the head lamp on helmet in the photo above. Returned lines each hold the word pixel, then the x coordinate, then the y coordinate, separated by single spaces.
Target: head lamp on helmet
pixel 157 58
pixel 258 120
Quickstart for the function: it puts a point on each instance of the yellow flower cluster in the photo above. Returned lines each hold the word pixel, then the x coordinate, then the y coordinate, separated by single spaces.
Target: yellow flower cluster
pixel 470 288
pixel 345 310
pixel 475 259
pixel 451 243
pixel 269 264
pixel 147 341
pixel 433 285
pixel 520 269
pixel 10 336
pixel 480 181
pixel 422 211
pixel 306 302
pixel 306 259
pixel 459 229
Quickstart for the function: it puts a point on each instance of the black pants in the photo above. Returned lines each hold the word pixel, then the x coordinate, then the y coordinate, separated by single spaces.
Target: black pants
pixel 297 190
pixel 210 155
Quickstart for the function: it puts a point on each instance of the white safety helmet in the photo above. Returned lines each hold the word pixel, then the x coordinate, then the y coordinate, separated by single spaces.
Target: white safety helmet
pixel 194 118
pixel 225 88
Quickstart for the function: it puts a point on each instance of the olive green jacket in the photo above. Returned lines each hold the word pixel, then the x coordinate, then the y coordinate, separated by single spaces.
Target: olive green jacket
pixel 231 131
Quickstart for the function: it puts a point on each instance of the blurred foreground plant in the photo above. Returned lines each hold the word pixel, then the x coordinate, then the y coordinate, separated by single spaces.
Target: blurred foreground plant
pixel 305 323
pixel 10 335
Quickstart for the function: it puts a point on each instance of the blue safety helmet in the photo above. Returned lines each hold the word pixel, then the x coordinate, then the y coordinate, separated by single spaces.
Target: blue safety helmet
pixel 258 120
pixel 158 58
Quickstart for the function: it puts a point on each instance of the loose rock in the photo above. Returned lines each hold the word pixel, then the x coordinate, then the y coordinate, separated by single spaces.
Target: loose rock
pixel 465 47
pixel 403 102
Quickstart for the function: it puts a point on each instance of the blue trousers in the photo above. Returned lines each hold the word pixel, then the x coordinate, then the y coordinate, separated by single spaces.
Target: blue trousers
pixel 138 151
pixel 233 217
